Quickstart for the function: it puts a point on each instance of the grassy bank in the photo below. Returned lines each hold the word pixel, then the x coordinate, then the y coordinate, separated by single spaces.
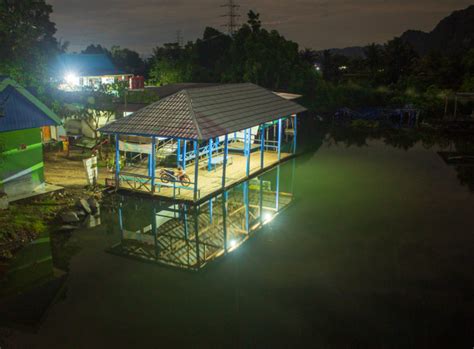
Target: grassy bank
pixel 26 220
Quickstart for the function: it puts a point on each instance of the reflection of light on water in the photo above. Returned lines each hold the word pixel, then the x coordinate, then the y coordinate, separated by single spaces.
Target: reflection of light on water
pixel 267 217
pixel 232 243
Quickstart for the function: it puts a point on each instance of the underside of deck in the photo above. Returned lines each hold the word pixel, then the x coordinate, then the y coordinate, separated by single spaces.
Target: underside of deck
pixel 189 238
pixel 209 182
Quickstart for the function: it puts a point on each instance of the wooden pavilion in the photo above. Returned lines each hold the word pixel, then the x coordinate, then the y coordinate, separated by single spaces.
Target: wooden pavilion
pixel 224 133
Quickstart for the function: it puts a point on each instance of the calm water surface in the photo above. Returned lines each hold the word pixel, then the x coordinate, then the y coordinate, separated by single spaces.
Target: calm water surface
pixel 372 246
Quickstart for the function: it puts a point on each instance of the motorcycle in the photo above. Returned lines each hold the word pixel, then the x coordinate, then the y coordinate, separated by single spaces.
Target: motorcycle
pixel 169 176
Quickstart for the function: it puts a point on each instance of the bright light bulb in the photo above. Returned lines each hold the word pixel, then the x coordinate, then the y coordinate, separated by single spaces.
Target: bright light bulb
pixel 71 79
pixel 232 243
pixel 267 217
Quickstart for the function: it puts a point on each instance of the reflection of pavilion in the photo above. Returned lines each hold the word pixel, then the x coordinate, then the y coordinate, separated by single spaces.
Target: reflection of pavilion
pixel 188 237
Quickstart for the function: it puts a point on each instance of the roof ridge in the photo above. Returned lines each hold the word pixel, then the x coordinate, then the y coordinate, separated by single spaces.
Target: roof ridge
pixel 193 114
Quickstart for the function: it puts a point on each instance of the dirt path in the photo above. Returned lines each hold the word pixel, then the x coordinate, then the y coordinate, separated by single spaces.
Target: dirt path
pixel 68 171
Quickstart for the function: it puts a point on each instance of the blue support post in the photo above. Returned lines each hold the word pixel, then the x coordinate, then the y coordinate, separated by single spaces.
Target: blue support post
pixel 185 217
pixel 196 169
pixel 247 150
pixel 184 155
pixel 196 235
pixel 178 152
pixel 224 219
pixel 153 163
pixel 155 234
pixel 209 156
pixel 295 127
pixel 247 208
pixel 279 139
pixel 261 200
pixel 210 211
pixel 262 145
pixel 277 195
pixel 117 161
pixel 120 220
pixel 224 165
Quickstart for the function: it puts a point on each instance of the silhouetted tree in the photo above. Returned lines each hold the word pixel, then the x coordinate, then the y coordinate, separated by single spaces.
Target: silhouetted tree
pixel 399 60
pixel 27 43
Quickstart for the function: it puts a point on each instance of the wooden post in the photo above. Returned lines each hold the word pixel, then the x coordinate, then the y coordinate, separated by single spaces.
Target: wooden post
pixel 279 139
pixel 153 163
pixel 295 123
pixel 196 169
pixel 224 165
pixel 117 160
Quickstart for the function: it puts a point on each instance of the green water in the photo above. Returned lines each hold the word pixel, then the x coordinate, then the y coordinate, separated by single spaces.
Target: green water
pixel 370 245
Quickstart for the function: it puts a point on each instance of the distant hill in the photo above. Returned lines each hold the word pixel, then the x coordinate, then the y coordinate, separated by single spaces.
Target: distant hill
pixel 351 52
pixel 453 34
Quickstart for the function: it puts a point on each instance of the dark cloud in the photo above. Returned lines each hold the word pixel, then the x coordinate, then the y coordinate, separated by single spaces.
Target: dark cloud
pixel 319 24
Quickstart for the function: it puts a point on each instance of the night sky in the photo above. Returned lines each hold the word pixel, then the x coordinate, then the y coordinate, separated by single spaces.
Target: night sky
pixel 318 24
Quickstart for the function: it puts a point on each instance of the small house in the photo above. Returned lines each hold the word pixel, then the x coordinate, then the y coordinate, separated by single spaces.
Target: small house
pixel 79 70
pixel 22 119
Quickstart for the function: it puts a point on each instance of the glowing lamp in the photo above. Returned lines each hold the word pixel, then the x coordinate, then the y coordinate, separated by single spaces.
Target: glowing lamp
pixel 71 79
pixel 267 217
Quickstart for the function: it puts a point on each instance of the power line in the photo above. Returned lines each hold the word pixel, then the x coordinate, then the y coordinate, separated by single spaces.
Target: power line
pixel 231 15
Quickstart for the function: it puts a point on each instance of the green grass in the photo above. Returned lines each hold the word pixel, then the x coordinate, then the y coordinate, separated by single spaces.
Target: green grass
pixel 26 218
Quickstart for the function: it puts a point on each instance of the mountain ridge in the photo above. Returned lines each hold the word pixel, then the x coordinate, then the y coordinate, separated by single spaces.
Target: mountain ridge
pixel 454 33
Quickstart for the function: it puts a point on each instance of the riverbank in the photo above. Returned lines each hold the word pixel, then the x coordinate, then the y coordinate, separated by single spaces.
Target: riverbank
pixel 26 220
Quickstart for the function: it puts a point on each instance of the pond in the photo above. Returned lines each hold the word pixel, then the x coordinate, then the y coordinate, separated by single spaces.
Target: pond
pixel 364 240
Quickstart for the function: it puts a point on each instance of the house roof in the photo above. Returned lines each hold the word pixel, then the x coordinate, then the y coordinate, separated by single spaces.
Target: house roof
pixel 207 112
pixel 82 64
pixel 21 109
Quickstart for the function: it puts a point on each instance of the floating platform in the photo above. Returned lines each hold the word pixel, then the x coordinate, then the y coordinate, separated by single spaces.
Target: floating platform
pixel 135 178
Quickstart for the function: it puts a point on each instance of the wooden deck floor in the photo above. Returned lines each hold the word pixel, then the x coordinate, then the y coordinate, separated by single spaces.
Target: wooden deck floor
pixel 209 182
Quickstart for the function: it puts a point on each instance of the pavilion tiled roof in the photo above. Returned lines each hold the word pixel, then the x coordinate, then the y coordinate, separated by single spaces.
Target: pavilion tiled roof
pixel 207 112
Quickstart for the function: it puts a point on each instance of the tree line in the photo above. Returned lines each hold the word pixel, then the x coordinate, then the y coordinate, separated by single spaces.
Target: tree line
pixel 389 74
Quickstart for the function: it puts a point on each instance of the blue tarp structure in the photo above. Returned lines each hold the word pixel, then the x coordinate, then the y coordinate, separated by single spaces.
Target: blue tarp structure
pixel 393 115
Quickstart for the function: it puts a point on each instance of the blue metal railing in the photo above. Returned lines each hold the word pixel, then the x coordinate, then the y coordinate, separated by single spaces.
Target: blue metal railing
pixel 202 153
